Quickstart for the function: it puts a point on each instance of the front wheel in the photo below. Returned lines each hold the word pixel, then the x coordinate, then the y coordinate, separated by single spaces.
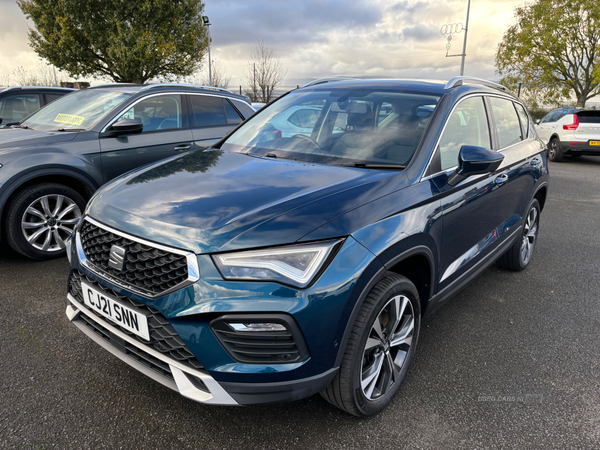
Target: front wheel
pixel 379 350
pixel 41 218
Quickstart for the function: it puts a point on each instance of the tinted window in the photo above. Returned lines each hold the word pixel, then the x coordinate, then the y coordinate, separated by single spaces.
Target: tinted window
pixel 588 116
pixel 524 120
pixel 506 120
pixel 233 117
pixel 51 97
pixel 208 111
pixel 162 112
pixel 17 107
pixel 466 126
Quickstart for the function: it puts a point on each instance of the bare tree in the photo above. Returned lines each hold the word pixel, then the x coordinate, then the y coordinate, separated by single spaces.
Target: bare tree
pixel 44 76
pixel 264 73
pixel 219 77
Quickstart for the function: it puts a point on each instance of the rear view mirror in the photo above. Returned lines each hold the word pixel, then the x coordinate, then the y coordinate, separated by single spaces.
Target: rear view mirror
pixel 125 126
pixel 474 160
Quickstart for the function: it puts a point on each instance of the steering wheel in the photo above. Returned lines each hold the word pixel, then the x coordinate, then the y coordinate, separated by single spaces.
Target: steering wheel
pixel 309 139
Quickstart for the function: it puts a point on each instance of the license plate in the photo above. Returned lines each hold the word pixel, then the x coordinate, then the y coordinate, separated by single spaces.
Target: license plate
pixel 594 142
pixel 108 307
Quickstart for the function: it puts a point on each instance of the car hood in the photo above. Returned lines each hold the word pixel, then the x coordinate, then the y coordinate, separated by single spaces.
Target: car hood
pixel 15 138
pixel 209 201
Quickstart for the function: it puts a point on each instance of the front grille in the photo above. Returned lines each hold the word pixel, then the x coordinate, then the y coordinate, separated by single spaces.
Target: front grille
pixel 163 337
pixel 268 347
pixel 148 270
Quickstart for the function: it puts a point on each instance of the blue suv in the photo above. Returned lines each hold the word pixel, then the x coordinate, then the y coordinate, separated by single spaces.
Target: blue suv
pixel 271 267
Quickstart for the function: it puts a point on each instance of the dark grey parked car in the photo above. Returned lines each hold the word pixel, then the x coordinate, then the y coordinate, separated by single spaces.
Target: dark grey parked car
pixel 52 162
pixel 17 102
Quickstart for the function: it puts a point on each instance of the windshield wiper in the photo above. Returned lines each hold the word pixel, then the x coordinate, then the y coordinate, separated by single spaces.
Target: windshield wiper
pixel 70 129
pixel 17 125
pixel 380 166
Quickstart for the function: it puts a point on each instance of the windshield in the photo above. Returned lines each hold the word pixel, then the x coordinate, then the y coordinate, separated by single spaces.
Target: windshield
pixel 338 126
pixel 78 111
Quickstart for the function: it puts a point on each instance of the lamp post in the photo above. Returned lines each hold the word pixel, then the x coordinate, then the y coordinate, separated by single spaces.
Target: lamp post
pixel 464 52
pixel 206 23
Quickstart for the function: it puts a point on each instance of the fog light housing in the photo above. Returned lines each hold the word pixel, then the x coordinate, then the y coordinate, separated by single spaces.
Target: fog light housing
pixel 261 339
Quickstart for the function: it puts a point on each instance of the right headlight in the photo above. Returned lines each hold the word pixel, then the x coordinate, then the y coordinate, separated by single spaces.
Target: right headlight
pixel 293 264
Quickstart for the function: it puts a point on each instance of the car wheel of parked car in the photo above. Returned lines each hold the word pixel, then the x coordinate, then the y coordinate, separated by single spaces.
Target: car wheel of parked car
pixel 519 255
pixel 554 152
pixel 379 350
pixel 41 217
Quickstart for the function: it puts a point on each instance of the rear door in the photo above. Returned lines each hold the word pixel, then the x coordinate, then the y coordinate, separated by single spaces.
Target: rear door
pixel 166 132
pixel 212 117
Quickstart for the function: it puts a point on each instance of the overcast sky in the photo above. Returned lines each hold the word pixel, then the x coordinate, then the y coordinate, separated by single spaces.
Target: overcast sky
pixel 318 38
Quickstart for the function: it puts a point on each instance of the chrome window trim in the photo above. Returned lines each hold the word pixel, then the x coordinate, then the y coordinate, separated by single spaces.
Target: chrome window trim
pixel 217 395
pixel 192 261
pixel 437 142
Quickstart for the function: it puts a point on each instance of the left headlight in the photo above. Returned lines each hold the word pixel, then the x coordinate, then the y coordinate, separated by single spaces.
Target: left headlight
pixel 293 264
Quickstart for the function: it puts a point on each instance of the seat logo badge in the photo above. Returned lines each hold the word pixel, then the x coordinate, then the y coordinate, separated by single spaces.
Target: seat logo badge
pixel 116 258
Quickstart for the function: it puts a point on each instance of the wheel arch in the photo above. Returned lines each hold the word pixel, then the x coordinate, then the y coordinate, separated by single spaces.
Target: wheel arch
pixel 81 182
pixel 416 263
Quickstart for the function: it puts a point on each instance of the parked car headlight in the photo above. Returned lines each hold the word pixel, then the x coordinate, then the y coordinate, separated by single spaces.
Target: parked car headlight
pixel 293 264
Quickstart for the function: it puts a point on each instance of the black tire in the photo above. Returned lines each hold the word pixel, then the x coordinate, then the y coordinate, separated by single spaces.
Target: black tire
pixel 555 154
pixel 32 196
pixel 346 391
pixel 514 258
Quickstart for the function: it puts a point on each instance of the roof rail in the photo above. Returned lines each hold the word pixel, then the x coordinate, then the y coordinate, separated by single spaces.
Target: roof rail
pixel 199 86
pixel 459 81
pixel 328 80
pixel 103 85
pixel 12 88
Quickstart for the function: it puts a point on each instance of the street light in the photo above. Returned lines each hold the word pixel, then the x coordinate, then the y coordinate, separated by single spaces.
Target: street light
pixel 206 23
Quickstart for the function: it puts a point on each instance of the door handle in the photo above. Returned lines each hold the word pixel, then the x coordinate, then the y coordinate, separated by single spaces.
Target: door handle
pixel 501 179
pixel 534 162
pixel 179 148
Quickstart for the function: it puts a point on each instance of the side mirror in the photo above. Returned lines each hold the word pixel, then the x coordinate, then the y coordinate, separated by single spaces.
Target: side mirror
pixel 125 126
pixel 537 121
pixel 474 160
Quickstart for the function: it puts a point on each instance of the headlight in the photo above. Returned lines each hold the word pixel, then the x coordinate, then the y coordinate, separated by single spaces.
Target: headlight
pixel 294 264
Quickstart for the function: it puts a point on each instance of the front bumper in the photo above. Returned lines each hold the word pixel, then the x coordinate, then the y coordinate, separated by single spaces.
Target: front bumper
pixel 321 313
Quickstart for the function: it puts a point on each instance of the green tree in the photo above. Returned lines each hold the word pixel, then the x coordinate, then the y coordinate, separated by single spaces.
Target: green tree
pixel 128 41
pixel 553 50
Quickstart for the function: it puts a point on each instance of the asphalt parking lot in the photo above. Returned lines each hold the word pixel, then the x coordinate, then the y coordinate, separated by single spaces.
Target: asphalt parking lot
pixel 513 361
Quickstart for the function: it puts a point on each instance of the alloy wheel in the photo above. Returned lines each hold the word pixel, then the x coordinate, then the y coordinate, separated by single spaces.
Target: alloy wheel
pixel 387 347
pixel 529 236
pixel 48 221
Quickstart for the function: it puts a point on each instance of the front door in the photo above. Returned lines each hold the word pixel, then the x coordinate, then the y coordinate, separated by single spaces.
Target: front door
pixel 166 133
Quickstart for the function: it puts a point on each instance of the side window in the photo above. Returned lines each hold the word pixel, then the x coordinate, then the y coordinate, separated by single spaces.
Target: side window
pixel 524 120
pixel 507 121
pixel 162 112
pixel 233 117
pixel 466 126
pixel 547 117
pixel 51 97
pixel 303 118
pixel 17 107
pixel 208 111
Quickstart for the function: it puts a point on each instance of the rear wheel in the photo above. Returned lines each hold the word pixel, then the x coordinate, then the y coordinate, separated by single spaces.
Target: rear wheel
pixel 41 217
pixel 380 348
pixel 554 152
pixel 520 254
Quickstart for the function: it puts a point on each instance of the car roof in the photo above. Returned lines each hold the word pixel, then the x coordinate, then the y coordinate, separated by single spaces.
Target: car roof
pixel 433 86
pixel 169 87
